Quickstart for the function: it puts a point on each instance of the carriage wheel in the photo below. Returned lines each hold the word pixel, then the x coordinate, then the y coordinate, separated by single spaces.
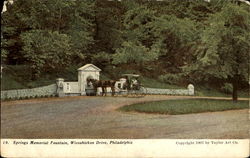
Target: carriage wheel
pixel 121 92
pixel 141 92
pixel 125 93
pixel 145 91
pixel 133 93
pixel 117 91
pixel 129 93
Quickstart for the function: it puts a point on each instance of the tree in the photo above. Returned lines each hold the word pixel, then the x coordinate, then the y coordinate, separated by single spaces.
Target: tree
pixel 107 32
pixel 165 38
pixel 194 10
pixel 176 39
pixel 80 27
pixel 69 22
pixel 138 43
pixel 133 53
pixel 108 25
pixel 224 52
pixel 46 50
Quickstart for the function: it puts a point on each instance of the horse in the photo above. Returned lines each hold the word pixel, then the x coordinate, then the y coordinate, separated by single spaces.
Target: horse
pixel 103 84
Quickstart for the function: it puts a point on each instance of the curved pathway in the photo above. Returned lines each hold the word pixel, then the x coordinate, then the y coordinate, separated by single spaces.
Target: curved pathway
pixel 97 117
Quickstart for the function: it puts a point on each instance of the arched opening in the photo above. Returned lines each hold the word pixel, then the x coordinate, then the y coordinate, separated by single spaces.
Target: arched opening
pixel 89 88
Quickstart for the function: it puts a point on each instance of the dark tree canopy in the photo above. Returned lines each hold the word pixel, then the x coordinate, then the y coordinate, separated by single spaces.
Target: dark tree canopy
pixel 197 41
pixel 224 51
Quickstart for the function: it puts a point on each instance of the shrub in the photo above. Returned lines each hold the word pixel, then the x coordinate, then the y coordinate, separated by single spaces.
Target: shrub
pixel 6 99
pixel 169 78
pixel 227 88
pixel 38 52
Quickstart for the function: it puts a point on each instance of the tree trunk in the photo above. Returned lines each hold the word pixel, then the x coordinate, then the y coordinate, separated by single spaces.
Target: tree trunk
pixel 235 89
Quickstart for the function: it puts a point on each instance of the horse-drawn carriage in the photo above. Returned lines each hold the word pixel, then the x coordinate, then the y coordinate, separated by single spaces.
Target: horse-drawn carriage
pixel 131 86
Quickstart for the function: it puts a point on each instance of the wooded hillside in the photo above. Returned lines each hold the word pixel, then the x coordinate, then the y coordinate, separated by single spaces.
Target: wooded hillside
pixel 177 42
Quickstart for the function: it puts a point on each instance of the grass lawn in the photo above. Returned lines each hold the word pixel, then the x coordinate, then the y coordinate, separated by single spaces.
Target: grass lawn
pixel 18 77
pixel 153 83
pixel 175 107
pixel 202 91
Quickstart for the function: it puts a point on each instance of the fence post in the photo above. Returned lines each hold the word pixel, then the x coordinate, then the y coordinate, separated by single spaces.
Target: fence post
pixel 190 89
pixel 59 83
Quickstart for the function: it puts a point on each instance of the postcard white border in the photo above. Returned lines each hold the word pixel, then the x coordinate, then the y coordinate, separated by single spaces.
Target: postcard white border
pixel 124 148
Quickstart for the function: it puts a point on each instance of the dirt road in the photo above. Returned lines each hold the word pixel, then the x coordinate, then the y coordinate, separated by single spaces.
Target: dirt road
pixel 97 117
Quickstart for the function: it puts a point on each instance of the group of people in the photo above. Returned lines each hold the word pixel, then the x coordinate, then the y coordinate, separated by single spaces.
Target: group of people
pixel 132 83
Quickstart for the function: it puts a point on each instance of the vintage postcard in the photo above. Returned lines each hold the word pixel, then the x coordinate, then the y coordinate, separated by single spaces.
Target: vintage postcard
pixel 122 78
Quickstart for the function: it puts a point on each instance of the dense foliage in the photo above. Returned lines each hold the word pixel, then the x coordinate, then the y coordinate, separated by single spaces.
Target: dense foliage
pixel 47 34
pixel 175 41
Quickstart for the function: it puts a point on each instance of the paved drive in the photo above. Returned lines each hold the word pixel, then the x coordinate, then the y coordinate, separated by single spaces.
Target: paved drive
pixel 97 117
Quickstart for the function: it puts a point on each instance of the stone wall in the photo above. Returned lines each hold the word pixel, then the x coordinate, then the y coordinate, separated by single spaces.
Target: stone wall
pixel 49 90
pixel 188 91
